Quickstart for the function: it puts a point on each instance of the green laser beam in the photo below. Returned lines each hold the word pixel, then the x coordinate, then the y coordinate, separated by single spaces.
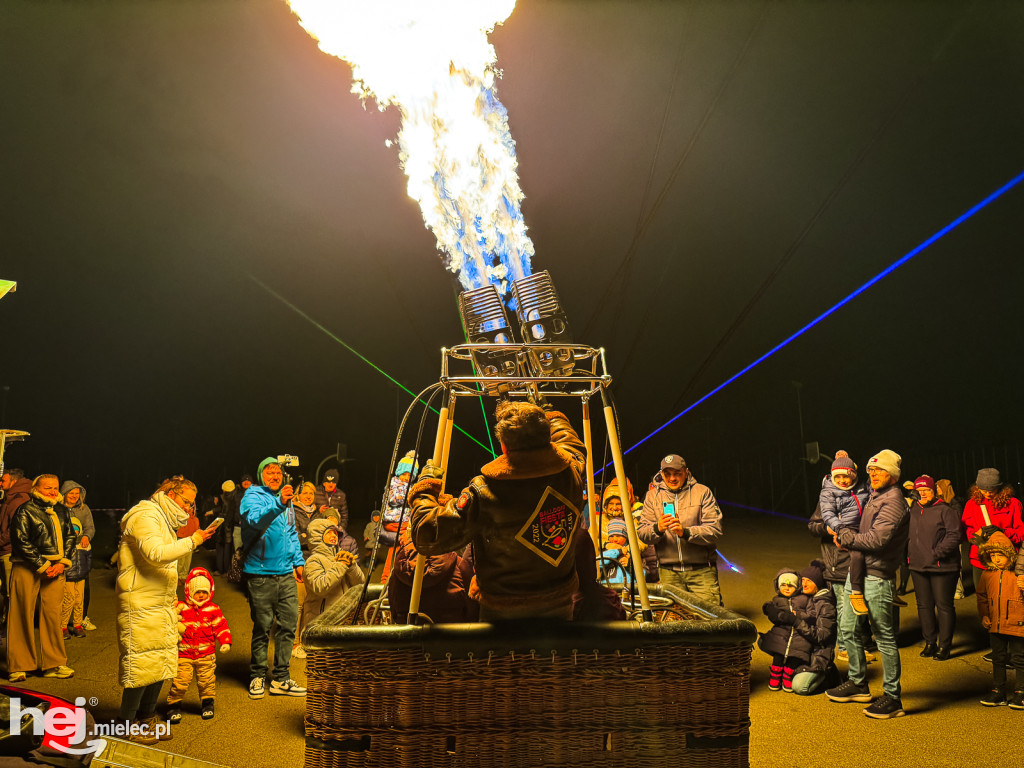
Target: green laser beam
pixel 362 357
pixel 487 427
pixel 465 335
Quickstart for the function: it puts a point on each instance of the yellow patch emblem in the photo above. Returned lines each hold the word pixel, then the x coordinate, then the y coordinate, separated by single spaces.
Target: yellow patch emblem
pixel 550 529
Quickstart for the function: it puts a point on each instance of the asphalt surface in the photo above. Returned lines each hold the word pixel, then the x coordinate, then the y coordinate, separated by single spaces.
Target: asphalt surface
pixel 943 726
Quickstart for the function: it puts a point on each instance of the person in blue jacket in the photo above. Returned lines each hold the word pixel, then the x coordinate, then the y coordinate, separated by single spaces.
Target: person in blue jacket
pixel 272 568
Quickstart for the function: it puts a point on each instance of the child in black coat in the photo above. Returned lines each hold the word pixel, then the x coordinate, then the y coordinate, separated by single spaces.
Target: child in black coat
pixel 787 647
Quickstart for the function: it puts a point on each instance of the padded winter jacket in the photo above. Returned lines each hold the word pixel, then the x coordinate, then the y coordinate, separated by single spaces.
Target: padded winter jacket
pixel 883 532
pixel 616 573
pixel 1008 518
pixel 836 560
pixel 842 507
pixel 1001 601
pixel 301 516
pixel 395 512
pixel 277 552
pixel 81 564
pixel 522 516
pixel 785 613
pixel 41 534
pixel 147 586
pixel 934 543
pixel 201 626
pixel 326 577
pixel 336 500
pixel 820 629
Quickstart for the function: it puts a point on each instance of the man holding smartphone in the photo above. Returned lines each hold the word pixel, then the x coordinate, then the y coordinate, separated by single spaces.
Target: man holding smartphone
pixel 273 567
pixel 683 521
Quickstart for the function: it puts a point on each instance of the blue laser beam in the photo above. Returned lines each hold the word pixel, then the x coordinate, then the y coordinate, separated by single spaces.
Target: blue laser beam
pixel 732 566
pixel 838 305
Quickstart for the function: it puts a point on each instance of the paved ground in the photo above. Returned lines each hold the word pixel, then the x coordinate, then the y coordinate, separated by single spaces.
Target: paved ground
pixel 941 698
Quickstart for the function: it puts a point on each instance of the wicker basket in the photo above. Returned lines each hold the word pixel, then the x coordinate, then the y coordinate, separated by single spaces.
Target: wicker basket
pixel 531 693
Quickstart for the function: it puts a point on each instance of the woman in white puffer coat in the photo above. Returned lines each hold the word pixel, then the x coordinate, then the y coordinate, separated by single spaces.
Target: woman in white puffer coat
pixel 147 586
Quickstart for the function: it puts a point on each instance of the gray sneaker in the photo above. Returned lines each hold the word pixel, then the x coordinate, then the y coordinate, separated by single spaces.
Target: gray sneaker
pixel 849 691
pixel 287 688
pixel 256 688
pixel 885 707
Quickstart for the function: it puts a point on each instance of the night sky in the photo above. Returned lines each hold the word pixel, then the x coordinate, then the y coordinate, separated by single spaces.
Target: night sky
pixel 701 179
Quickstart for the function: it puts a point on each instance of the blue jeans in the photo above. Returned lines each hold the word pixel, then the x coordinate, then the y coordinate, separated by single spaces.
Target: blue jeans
pixel 270 598
pixel 808 683
pixel 878 594
pixel 843 607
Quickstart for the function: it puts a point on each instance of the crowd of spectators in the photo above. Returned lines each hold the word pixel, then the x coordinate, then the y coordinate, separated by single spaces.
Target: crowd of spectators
pixel 512 544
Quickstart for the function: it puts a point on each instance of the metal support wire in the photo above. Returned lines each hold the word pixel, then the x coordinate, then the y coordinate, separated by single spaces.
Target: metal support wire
pixel 584 380
pixel 433 389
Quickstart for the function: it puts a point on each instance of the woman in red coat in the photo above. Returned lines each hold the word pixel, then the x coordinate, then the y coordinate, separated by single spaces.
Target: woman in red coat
pixel 992 503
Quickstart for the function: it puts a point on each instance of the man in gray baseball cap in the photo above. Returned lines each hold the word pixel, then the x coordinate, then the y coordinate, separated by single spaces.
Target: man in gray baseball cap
pixel 683 521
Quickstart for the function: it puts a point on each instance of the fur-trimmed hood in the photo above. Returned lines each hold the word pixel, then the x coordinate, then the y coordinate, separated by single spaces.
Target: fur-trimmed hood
pixel 67 486
pixel 795 572
pixel 612 491
pixel 190 585
pixel 997 542
pixel 317 529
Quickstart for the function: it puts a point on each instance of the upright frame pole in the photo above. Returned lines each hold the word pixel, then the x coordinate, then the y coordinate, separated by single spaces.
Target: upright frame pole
pixel 442 445
pixel 588 441
pixel 620 473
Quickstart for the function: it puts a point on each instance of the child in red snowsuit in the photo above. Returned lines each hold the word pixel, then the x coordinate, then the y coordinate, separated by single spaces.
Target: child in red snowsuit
pixel 201 627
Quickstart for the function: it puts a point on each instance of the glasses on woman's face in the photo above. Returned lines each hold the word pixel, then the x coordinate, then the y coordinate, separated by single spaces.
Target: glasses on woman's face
pixel 189 505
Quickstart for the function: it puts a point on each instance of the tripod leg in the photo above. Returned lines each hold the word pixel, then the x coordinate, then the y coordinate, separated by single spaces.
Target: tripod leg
pixel 442 443
pixel 620 473
pixel 595 532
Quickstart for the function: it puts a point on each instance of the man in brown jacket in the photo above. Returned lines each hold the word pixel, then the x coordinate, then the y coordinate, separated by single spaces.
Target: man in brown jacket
pixel 16 488
pixel 521 513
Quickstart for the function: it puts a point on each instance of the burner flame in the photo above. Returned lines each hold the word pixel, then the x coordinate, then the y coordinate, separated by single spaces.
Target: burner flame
pixel 432 59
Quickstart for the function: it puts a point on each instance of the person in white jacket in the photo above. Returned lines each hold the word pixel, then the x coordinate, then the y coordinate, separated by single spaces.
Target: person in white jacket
pixel 147 586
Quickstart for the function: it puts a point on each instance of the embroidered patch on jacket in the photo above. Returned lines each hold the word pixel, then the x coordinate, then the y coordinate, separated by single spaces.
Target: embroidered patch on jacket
pixel 548 533
pixel 463 501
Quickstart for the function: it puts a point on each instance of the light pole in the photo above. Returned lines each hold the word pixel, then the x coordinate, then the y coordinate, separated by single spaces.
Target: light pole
pixel 340 455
